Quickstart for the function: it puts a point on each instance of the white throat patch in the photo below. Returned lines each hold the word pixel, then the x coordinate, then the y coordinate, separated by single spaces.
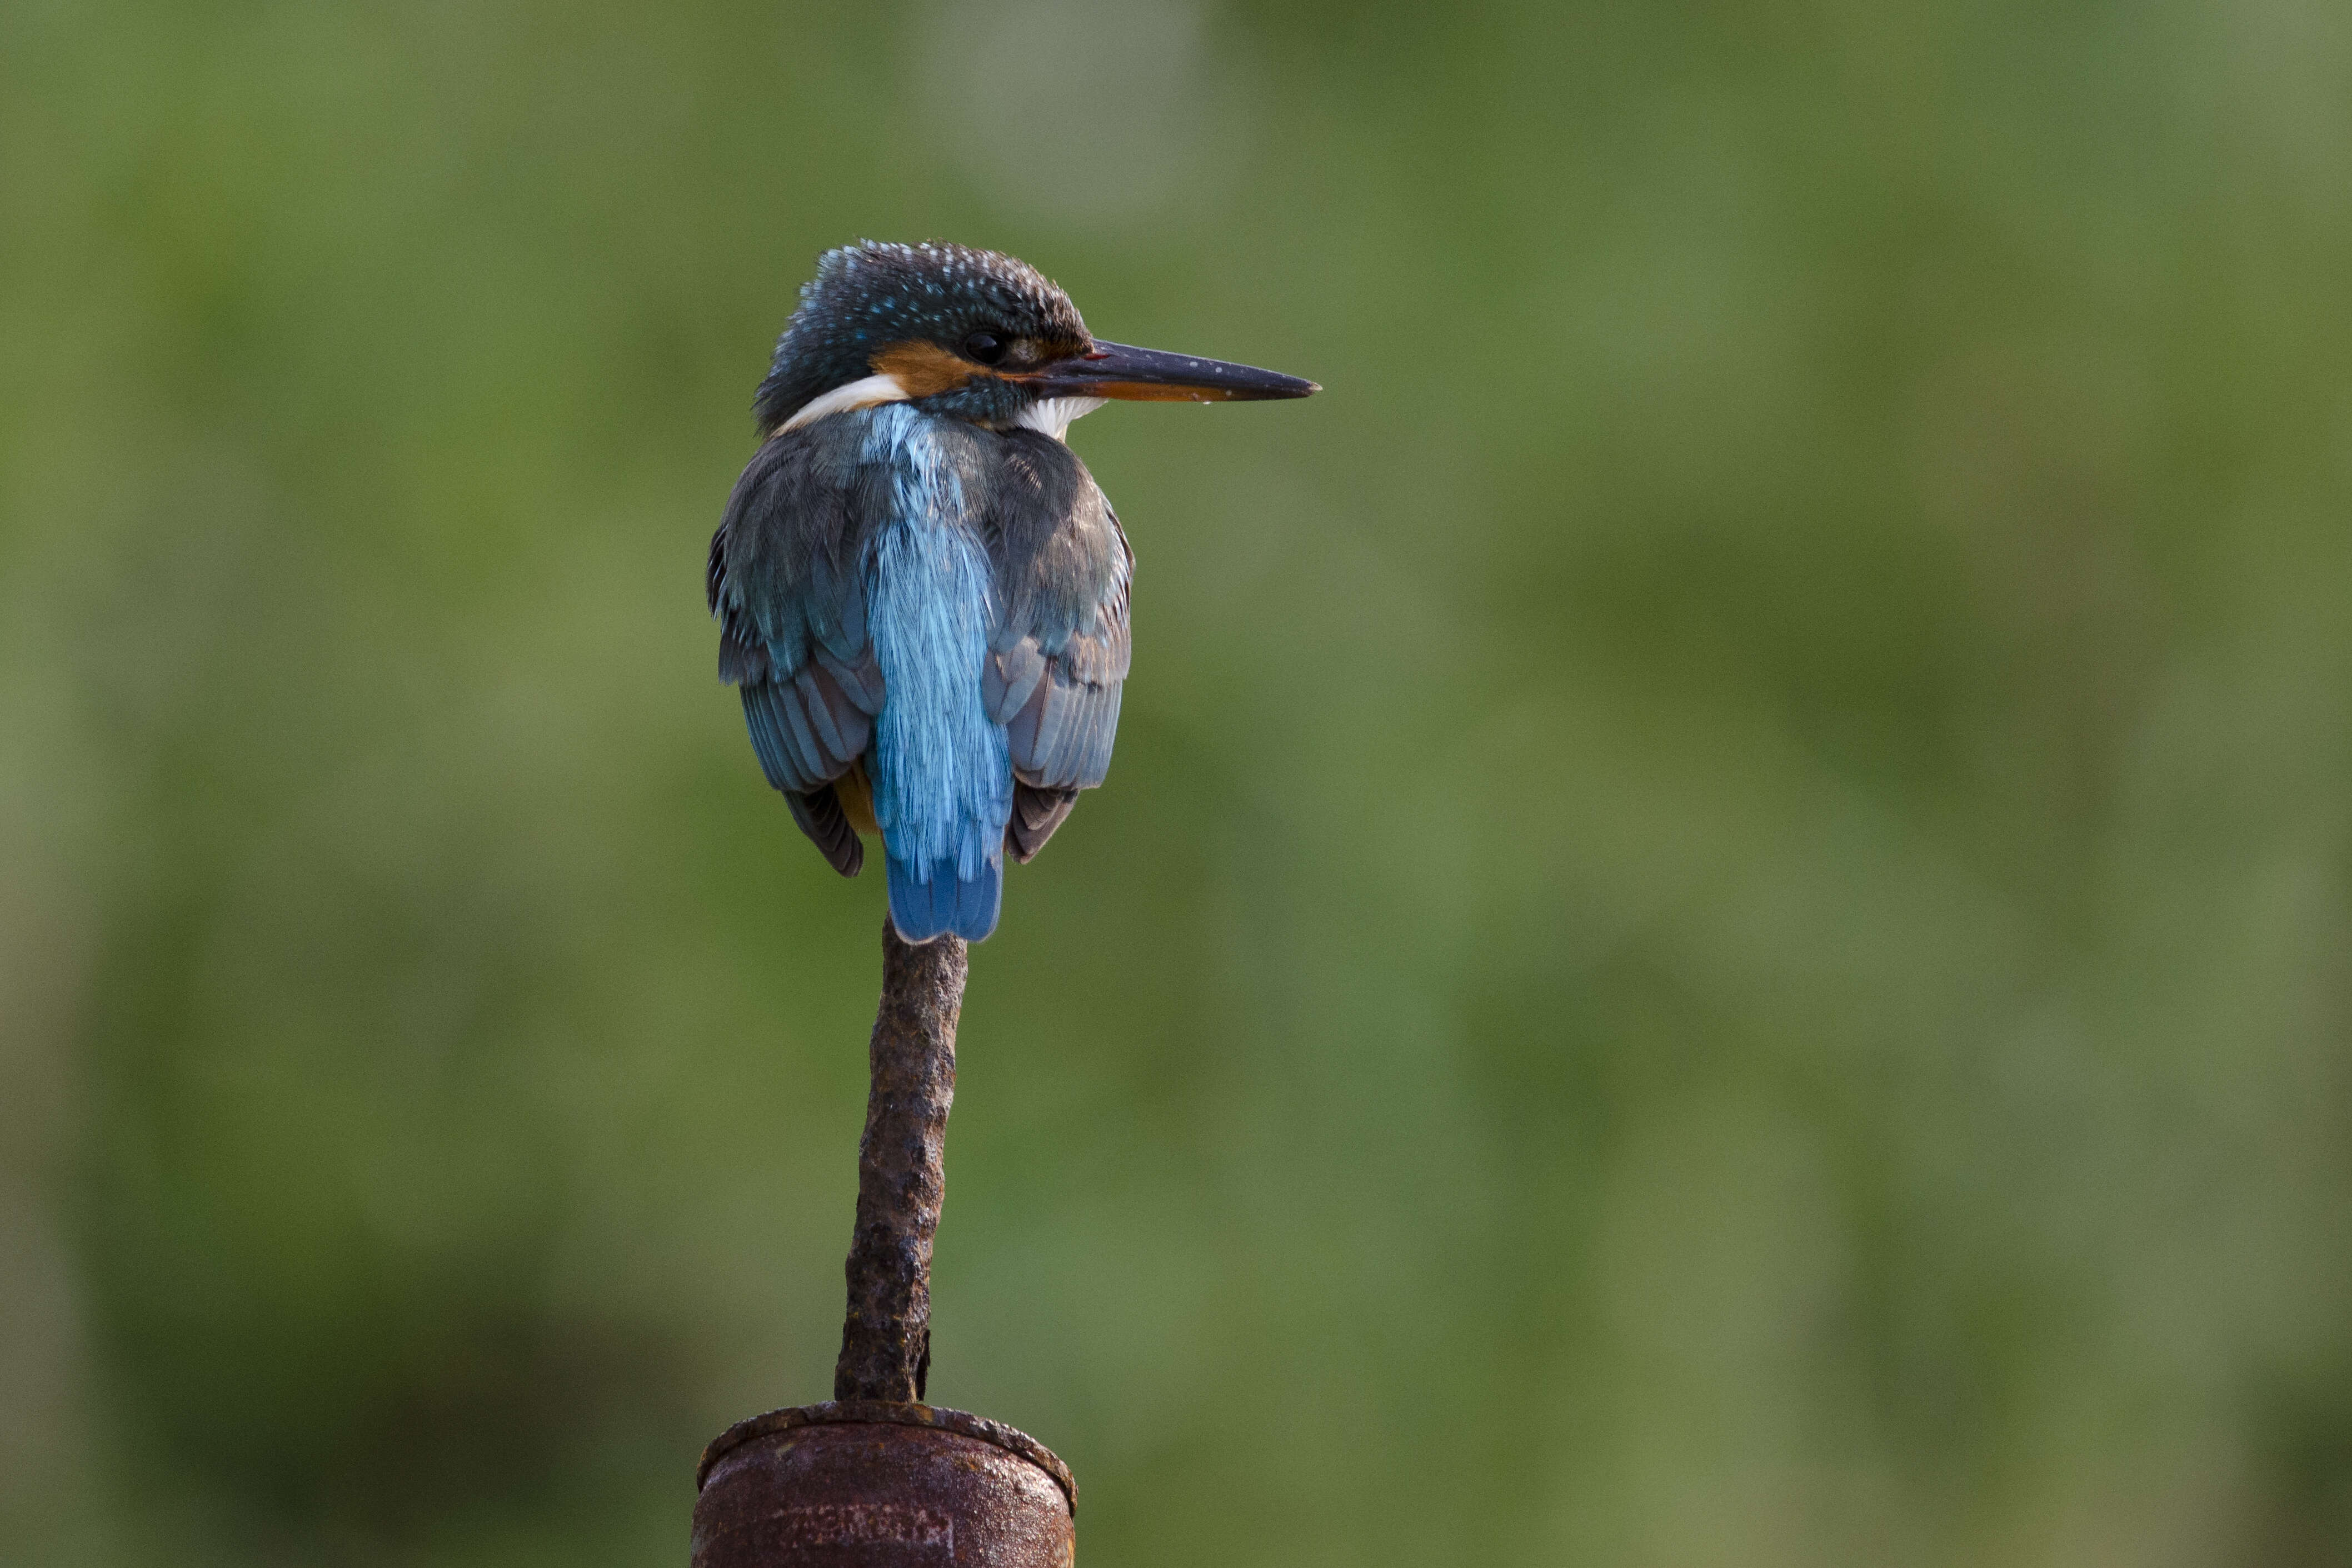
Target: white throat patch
pixel 1054 416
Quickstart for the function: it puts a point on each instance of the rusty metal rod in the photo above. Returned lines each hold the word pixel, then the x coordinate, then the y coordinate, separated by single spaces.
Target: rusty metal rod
pixel 886 1343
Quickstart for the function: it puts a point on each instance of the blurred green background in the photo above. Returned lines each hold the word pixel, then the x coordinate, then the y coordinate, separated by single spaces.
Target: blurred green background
pixel 1719 932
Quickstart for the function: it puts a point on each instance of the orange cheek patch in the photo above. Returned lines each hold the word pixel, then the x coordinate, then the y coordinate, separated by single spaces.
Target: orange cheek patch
pixel 925 370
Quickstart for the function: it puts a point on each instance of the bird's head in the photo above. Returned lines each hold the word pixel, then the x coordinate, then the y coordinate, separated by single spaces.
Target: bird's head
pixel 971 333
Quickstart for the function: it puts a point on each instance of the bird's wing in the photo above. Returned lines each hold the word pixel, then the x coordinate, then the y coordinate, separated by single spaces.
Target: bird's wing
pixel 1060 648
pixel 786 585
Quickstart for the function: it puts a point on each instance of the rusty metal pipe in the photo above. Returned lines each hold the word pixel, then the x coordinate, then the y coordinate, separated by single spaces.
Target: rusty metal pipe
pixel 858 1484
pixel 886 1341
pixel 876 1478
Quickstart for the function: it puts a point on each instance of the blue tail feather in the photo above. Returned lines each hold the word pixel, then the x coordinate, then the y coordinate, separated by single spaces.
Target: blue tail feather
pixel 946 903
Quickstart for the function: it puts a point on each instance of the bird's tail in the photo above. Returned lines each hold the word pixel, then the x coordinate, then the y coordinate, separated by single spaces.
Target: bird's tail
pixel 923 907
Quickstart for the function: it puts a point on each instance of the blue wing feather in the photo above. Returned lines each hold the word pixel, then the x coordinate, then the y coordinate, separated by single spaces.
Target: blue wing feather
pixel 1061 652
pixel 784 582
pixel 948 606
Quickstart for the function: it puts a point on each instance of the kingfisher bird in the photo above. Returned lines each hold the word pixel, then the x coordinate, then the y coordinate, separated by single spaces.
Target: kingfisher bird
pixel 921 593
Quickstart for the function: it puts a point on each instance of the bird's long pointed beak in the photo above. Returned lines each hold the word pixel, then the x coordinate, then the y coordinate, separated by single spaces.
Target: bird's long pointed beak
pixel 1147 375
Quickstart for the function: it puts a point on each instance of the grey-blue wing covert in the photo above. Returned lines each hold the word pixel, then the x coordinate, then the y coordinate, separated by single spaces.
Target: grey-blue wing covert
pixel 1059 656
pixel 786 580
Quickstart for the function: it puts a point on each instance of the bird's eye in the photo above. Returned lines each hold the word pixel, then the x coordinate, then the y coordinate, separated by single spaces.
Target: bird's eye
pixel 985 347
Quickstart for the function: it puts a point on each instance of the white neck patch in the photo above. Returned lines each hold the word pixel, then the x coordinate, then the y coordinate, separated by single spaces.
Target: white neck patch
pixel 865 394
pixel 1054 416
pixel 1051 416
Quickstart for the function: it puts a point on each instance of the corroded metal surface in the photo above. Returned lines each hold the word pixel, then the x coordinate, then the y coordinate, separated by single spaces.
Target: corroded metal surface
pixel 886 1341
pixel 839 1412
pixel 858 1484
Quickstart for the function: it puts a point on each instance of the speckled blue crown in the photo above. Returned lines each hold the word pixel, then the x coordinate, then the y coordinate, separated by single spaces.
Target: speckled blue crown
pixel 869 295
